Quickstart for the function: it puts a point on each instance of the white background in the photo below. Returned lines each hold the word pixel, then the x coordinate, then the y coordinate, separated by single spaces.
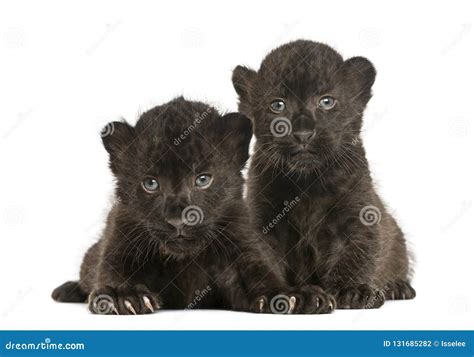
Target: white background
pixel 67 69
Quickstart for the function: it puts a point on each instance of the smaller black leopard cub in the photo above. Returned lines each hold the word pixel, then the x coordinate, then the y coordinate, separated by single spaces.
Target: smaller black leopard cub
pixel 177 236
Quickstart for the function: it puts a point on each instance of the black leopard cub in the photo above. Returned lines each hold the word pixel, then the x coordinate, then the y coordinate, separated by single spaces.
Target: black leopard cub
pixel 178 236
pixel 310 189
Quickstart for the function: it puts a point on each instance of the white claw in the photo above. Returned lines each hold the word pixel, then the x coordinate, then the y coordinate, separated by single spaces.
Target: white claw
pixel 129 306
pixel 261 304
pixel 317 303
pixel 331 307
pixel 292 303
pixel 403 296
pixel 148 304
pixel 114 310
pixel 393 295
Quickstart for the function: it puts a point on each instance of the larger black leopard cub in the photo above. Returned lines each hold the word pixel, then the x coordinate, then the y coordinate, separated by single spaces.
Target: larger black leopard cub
pixel 178 236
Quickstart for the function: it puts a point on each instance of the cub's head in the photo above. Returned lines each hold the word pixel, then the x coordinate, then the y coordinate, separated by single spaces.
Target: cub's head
pixel 305 101
pixel 178 171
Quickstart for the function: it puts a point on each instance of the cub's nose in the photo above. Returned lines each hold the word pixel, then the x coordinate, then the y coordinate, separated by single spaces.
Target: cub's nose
pixel 176 223
pixel 304 136
pixel 303 128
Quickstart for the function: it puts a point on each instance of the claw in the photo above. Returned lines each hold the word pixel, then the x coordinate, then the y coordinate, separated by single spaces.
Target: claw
pixel 114 310
pixel 393 295
pixel 261 304
pixel 403 296
pixel 129 307
pixel 292 303
pixel 148 304
pixel 331 306
pixel 317 303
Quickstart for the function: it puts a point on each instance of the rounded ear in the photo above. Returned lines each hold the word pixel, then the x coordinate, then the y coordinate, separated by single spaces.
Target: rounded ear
pixel 116 137
pixel 243 79
pixel 358 73
pixel 234 132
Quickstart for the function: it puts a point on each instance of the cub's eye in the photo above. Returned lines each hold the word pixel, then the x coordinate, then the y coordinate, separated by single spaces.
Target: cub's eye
pixel 203 181
pixel 277 106
pixel 327 102
pixel 150 184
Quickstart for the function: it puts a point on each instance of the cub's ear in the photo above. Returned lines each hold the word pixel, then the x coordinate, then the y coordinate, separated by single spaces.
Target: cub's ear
pixel 116 137
pixel 358 74
pixel 244 79
pixel 234 132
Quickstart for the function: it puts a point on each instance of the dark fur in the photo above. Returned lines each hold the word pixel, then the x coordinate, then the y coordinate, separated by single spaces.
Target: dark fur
pixel 140 253
pixel 322 238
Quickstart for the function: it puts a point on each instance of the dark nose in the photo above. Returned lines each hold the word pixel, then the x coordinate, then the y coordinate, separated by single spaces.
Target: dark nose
pixel 304 136
pixel 303 128
pixel 176 223
pixel 173 209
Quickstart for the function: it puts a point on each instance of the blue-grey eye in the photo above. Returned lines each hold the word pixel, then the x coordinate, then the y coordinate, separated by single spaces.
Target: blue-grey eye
pixel 150 184
pixel 278 106
pixel 203 181
pixel 327 102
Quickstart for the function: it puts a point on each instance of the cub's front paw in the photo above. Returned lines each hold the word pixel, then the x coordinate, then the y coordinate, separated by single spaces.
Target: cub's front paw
pixel 310 299
pixel 399 290
pixel 123 301
pixel 360 297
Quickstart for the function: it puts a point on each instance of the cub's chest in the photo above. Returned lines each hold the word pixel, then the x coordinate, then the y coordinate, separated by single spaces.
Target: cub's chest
pixel 310 215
